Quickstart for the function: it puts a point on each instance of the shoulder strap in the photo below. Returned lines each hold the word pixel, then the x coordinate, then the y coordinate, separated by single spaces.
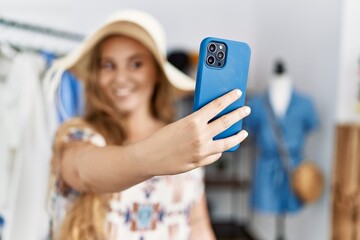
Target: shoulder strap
pixel 280 144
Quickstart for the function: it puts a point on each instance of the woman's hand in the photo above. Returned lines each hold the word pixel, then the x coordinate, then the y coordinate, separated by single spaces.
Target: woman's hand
pixel 188 143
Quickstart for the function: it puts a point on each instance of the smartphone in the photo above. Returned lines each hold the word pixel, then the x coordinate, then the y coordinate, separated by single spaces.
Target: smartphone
pixel 223 66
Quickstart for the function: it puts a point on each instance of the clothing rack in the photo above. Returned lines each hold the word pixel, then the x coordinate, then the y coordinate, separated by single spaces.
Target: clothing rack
pixel 19 37
pixel 41 29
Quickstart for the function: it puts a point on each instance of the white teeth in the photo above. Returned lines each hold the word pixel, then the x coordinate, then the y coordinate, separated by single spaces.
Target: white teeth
pixel 122 92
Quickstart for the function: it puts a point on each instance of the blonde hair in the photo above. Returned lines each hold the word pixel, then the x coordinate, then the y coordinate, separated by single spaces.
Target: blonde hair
pixel 85 219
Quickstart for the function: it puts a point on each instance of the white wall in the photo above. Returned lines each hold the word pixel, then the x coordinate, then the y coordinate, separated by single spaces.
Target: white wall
pixel 305 33
pixel 186 22
pixel 349 67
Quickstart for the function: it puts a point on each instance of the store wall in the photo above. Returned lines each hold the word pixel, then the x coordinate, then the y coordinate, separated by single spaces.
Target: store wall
pixel 349 67
pixel 304 33
pixel 186 22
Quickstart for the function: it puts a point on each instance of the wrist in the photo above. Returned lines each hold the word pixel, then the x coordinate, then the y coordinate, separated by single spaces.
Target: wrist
pixel 143 159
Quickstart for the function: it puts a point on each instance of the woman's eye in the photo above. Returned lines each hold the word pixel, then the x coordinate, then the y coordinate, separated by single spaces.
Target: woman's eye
pixel 107 66
pixel 136 64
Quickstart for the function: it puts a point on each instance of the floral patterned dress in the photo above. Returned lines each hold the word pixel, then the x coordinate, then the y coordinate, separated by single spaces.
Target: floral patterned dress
pixel 157 208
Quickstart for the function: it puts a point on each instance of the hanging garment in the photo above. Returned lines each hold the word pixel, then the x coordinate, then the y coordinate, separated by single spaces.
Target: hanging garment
pixel 30 145
pixel 63 95
pixel 271 191
pixel 69 94
pixel 5 63
pixel 70 102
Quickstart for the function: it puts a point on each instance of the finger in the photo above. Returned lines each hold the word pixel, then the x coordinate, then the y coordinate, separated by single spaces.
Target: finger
pixel 227 120
pixel 222 145
pixel 210 110
pixel 210 159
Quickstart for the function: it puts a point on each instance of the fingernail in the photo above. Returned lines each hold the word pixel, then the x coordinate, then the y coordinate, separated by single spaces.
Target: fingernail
pixel 245 134
pixel 247 110
pixel 238 92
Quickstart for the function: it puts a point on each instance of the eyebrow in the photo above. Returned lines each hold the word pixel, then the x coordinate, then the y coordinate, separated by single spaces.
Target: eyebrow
pixel 131 57
pixel 137 55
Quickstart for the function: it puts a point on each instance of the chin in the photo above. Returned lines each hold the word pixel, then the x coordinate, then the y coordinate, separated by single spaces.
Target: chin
pixel 125 109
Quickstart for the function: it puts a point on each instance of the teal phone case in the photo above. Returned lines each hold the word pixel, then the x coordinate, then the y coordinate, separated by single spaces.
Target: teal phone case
pixel 213 82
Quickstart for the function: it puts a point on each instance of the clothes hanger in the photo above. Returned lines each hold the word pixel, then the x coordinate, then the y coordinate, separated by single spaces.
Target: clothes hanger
pixel 7 54
pixel 7 51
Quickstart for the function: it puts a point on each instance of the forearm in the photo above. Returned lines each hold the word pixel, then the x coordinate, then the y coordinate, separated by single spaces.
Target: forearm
pixel 104 169
pixel 86 167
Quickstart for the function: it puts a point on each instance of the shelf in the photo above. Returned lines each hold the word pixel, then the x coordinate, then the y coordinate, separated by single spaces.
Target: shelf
pixel 232 230
pixel 240 184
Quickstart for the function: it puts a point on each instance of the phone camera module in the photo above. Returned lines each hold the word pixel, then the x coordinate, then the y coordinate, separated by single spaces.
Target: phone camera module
pixel 210 60
pixel 220 55
pixel 212 47
pixel 216 53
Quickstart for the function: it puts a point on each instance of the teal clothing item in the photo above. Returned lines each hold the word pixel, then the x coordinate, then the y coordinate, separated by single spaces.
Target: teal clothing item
pixel 271 191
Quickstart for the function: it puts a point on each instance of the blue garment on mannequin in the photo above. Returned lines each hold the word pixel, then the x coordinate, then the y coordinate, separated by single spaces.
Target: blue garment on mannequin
pixel 70 101
pixel 271 190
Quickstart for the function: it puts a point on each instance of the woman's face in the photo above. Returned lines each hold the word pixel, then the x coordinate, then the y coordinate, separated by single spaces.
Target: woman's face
pixel 127 73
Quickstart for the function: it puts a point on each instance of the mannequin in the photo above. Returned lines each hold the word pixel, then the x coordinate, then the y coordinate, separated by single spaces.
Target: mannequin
pixel 280 89
pixel 297 117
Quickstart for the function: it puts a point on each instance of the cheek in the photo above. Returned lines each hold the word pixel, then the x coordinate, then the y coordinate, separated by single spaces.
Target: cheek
pixel 151 83
pixel 152 76
pixel 104 84
pixel 104 80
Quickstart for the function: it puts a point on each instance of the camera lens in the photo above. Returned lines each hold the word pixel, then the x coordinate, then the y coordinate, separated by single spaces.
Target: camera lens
pixel 220 55
pixel 212 47
pixel 211 60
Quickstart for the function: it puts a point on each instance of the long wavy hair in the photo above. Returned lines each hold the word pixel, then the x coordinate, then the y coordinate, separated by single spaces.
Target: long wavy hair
pixel 85 219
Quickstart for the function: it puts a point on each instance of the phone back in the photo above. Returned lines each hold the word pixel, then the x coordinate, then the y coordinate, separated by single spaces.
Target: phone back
pixel 223 66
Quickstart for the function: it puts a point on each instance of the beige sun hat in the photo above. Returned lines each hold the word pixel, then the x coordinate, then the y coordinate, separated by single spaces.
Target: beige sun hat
pixel 134 24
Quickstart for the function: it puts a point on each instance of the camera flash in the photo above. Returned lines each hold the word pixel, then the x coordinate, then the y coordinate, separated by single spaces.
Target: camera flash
pixel 221 46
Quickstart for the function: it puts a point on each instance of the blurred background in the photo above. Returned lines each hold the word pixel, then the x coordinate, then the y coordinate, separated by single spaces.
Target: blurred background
pixel 319 42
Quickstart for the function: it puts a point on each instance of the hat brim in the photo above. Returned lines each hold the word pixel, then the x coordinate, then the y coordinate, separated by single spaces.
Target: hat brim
pixel 78 60
pixel 178 79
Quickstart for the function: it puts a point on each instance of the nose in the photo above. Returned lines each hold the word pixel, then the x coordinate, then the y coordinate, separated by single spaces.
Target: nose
pixel 121 76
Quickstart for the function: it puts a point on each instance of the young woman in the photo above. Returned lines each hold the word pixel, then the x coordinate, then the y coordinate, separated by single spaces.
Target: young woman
pixel 126 170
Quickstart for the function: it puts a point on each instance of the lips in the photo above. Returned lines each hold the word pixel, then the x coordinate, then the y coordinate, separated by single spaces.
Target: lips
pixel 122 92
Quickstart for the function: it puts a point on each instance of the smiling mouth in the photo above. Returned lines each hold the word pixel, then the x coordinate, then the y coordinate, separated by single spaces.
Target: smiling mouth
pixel 123 92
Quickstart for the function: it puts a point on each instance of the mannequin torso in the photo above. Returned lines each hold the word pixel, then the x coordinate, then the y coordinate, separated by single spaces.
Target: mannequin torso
pixel 280 92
